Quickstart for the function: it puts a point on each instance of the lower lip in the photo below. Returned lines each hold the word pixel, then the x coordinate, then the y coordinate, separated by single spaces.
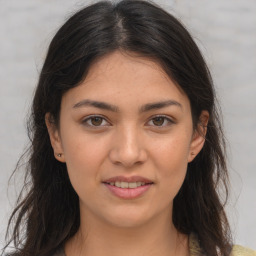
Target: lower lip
pixel 128 193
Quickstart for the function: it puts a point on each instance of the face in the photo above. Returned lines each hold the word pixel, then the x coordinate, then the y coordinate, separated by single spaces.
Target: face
pixel 127 118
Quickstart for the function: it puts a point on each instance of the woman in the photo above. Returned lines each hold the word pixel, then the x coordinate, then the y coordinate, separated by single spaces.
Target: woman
pixel 127 149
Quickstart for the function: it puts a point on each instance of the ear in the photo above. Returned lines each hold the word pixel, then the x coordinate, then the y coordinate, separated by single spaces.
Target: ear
pixel 198 137
pixel 55 138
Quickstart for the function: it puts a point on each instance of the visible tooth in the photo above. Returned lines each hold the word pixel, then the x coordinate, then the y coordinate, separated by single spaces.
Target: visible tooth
pixel 118 184
pixel 132 185
pixel 124 184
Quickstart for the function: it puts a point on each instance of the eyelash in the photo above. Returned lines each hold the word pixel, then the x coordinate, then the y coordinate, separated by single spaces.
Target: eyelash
pixel 84 122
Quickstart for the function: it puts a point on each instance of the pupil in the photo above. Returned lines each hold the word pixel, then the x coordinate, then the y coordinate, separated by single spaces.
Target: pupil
pixel 158 121
pixel 96 121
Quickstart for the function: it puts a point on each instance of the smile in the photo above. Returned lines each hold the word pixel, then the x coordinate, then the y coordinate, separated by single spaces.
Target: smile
pixel 122 184
pixel 128 190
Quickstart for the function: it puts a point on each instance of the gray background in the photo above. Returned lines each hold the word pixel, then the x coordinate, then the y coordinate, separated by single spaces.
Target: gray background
pixel 226 33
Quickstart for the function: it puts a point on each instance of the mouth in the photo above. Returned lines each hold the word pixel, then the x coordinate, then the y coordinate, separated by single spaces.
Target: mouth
pixel 128 182
pixel 128 187
pixel 123 184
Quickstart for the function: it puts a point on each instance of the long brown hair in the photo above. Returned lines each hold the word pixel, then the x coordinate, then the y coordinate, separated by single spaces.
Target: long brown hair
pixel 48 214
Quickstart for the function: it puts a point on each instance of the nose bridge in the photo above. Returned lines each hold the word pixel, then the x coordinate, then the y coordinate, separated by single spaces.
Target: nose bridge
pixel 128 147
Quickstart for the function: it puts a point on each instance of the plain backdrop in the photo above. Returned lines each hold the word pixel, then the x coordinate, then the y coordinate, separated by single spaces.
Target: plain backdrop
pixel 225 31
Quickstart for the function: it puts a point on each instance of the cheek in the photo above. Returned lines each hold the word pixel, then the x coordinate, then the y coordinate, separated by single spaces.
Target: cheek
pixel 84 156
pixel 81 147
pixel 171 162
pixel 173 151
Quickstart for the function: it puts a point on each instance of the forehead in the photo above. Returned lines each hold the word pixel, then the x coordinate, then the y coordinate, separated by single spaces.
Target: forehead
pixel 123 79
pixel 118 66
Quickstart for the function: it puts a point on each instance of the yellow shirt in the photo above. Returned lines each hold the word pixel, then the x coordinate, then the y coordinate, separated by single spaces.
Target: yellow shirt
pixel 237 250
pixel 242 251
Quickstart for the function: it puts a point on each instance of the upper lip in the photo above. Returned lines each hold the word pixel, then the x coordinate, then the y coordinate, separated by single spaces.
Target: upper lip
pixel 128 179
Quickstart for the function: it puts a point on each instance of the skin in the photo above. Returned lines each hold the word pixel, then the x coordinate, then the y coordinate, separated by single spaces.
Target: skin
pixel 126 143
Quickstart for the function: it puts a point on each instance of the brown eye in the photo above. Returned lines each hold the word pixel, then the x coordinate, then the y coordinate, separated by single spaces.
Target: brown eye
pixel 158 121
pixel 161 121
pixel 96 121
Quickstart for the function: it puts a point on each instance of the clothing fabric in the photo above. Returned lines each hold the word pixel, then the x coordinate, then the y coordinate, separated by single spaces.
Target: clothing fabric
pixel 237 250
pixel 242 251
pixel 195 250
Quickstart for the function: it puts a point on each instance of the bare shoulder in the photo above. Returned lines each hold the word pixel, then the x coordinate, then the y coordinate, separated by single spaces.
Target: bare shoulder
pixel 242 251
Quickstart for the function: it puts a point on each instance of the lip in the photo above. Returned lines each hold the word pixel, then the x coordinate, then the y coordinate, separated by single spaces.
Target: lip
pixel 128 179
pixel 128 193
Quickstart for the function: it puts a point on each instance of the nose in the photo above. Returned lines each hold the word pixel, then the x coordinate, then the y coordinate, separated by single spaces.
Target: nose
pixel 127 148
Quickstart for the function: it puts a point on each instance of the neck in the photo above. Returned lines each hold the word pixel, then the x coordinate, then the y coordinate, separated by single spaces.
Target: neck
pixel 159 237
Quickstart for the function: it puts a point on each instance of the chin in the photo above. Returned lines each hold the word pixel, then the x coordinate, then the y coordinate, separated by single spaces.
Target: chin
pixel 128 219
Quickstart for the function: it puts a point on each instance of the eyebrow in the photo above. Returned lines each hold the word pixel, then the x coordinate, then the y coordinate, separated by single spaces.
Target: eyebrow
pixel 145 108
